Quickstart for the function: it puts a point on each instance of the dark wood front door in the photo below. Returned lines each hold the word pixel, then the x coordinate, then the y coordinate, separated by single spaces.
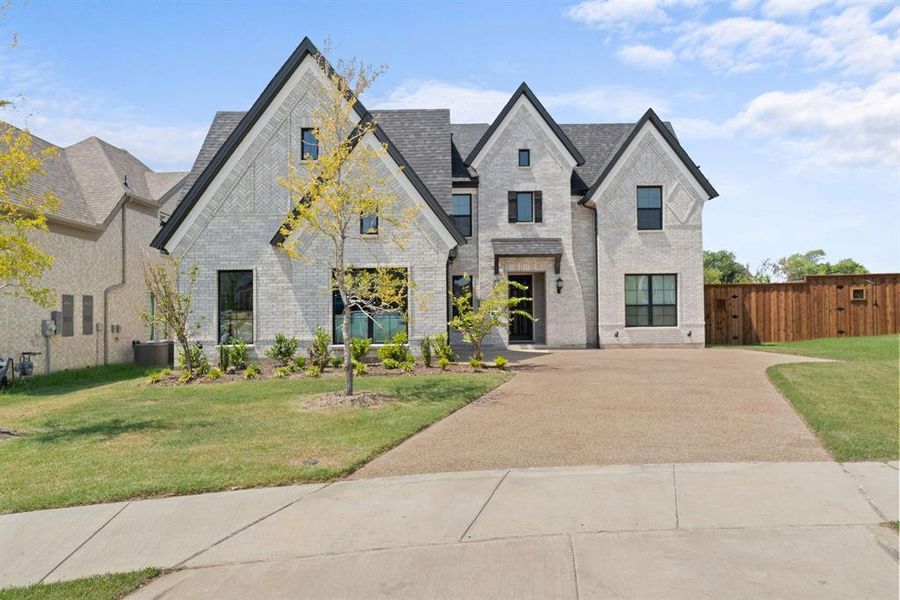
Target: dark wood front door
pixel 521 329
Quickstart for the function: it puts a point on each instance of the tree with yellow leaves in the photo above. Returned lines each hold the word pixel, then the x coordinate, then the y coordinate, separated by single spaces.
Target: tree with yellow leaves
pixel 22 262
pixel 340 198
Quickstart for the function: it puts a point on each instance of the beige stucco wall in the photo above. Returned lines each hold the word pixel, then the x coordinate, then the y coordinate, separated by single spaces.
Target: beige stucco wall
pixel 85 263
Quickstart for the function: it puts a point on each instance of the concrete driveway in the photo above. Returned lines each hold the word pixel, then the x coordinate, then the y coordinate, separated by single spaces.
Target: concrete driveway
pixel 636 406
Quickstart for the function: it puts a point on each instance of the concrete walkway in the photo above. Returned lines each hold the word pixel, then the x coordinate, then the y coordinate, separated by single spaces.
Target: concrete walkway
pixel 635 406
pixel 802 530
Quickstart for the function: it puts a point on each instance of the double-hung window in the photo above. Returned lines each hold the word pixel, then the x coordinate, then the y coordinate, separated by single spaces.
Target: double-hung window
pixel 235 306
pixel 649 207
pixel 651 301
pixel 462 213
pixel 309 145
pixel 525 207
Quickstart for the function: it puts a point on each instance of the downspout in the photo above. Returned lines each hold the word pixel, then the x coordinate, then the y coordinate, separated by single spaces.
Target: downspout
pixel 596 268
pixel 115 286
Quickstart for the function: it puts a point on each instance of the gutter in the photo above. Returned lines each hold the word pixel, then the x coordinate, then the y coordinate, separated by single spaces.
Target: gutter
pixel 593 207
pixel 115 286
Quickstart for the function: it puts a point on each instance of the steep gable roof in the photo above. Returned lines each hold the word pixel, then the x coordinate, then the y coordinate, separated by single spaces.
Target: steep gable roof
pixel 246 123
pixel 524 90
pixel 667 134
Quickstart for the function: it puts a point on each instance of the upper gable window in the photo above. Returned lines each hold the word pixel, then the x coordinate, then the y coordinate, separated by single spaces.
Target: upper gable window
pixel 649 207
pixel 309 145
pixel 368 225
pixel 525 207
pixel 524 157
pixel 462 213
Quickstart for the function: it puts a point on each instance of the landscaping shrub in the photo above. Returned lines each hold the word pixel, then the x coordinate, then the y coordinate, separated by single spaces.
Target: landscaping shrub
pixel 239 353
pixel 282 372
pixel 395 350
pixel 299 363
pixel 314 371
pixel 359 367
pixel 318 351
pixel 476 364
pixel 409 366
pixel 283 350
pixel 337 362
pixel 500 362
pixel 359 348
pixel 442 348
pixel 425 347
pixel 252 371
pixel 158 376
pixel 443 363
pixel 214 373
pixel 390 363
pixel 198 360
pixel 224 357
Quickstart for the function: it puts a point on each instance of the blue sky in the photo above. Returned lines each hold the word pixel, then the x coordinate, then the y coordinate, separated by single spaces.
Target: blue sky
pixel 792 109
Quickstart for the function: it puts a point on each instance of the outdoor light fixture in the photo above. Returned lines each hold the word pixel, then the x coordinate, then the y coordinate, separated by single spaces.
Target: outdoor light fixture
pixel 559 284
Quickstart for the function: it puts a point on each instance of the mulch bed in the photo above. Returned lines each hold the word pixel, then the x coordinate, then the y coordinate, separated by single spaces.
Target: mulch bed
pixel 268 366
pixel 360 399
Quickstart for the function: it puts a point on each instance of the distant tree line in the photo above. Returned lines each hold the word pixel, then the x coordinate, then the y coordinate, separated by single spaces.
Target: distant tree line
pixel 722 266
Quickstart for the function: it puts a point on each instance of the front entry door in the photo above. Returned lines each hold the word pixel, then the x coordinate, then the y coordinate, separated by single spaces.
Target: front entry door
pixel 521 329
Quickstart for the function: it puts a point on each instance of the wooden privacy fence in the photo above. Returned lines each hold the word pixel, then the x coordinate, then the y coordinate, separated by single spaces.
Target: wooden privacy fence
pixel 821 306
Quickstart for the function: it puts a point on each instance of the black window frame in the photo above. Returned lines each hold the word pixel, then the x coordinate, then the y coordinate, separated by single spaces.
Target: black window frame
pixel 463 218
pixel 653 211
pixel 370 323
pixel 252 296
pixel 87 315
pixel 526 153
pixel 650 304
pixel 371 230
pixel 314 153
pixel 454 288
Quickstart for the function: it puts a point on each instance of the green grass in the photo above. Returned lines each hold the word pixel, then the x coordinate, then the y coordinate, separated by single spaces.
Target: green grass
pixel 84 443
pixel 852 405
pixel 99 587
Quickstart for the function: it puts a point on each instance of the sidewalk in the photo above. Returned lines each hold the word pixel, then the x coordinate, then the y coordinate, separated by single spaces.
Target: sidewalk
pixel 684 530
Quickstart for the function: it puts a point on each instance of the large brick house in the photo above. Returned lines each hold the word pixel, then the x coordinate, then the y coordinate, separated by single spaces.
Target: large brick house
pixel 601 222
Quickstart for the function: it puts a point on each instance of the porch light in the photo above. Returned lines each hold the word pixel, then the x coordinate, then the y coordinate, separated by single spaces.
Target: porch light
pixel 559 285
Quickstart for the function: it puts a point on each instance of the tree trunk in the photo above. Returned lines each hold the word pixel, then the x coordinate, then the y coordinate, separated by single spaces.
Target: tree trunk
pixel 186 349
pixel 476 349
pixel 348 364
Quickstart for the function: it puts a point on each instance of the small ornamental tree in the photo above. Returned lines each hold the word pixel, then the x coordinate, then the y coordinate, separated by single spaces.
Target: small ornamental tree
pixel 171 308
pixel 22 262
pixel 340 199
pixel 494 310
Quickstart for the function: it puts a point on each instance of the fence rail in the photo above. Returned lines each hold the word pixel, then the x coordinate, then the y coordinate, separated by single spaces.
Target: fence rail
pixel 821 306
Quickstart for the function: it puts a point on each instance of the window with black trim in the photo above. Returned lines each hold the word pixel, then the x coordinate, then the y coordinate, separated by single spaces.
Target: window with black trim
pixel 377 325
pixel 524 157
pixel 87 315
pixel 368 225
pixel 525 207
pixel 68 315
pixel 649 207
pixel 309 144
pixel 460 285
pixel 462 213
pixel 651 301
pixel 236 306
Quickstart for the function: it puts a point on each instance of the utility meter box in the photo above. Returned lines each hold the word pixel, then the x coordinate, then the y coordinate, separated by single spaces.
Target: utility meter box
pixel 48 327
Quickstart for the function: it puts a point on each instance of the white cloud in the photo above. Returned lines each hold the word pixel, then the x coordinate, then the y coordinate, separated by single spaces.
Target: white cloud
pixel 849 42
pixel 831 124
pixel 646 57
pixel 740 44
pixel 54 111
pixel 743 5
pixel 469 104
pixel 776 9
pixel 617 13
pixel 892 19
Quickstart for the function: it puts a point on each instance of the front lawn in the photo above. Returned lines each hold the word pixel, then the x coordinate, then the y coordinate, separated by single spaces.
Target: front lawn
pixel 99 587
pixel 852 405
pixel 82 443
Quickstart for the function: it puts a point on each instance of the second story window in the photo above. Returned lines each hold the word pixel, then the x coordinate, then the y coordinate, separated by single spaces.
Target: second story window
pixel 309 145
pixel 649 207
pixel 525 207
pixel 462 213
pixel 524 157
pixel 368 225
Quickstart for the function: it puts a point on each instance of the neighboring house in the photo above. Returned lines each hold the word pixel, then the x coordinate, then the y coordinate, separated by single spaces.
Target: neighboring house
pixel 99 238
pixel 601 222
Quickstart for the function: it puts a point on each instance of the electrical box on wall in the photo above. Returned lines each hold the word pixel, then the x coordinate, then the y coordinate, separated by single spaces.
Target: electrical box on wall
pixel 48 327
